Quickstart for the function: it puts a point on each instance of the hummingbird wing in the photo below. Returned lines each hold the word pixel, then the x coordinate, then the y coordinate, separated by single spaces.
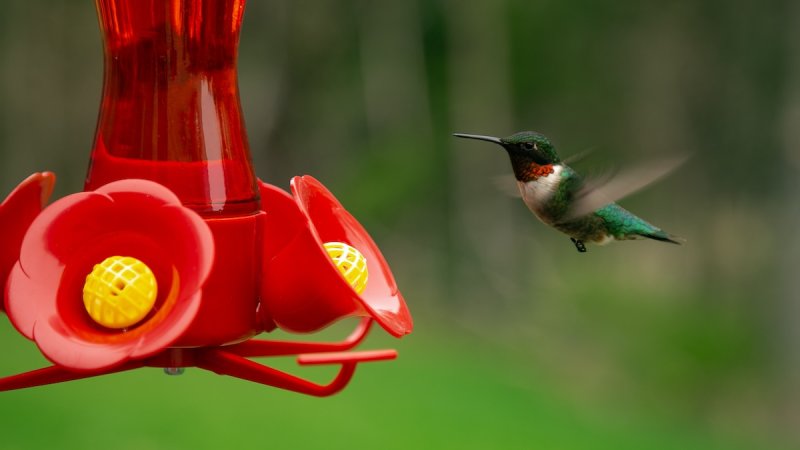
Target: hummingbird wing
pixel 576 157
pixel 597 192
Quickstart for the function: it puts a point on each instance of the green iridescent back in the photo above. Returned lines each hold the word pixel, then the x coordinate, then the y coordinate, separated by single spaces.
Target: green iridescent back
pixel 622 224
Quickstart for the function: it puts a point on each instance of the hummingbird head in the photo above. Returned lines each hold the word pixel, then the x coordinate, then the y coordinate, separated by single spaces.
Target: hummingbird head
pixel 532 146
pixel 529 152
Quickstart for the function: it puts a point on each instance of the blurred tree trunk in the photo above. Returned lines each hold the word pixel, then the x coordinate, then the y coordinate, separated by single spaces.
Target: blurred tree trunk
pixel 263 82
pixel 483 249
pixel 789 313
pixel 51 56
pixel 398 166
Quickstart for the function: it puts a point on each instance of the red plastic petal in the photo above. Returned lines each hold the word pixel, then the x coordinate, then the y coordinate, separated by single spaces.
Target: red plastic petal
pixel 302 290
pixel 16 214
pixel 333 223
pixel 132 218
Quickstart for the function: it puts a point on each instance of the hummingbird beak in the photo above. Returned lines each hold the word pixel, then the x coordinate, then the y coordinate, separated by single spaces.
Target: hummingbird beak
pixel 479 137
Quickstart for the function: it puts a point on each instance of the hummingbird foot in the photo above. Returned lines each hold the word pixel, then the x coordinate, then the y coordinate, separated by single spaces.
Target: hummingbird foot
pixel 579 245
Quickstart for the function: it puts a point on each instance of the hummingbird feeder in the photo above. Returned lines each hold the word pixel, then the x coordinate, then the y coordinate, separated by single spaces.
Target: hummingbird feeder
pixel 176 255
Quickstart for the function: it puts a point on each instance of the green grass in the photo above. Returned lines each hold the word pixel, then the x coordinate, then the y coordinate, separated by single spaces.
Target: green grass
pixel 448 389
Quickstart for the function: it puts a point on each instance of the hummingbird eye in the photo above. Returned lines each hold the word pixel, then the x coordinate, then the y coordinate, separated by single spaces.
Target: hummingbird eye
pixel 528 146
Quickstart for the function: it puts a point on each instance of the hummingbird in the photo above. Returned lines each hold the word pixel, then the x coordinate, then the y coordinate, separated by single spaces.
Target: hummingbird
pixel 583 209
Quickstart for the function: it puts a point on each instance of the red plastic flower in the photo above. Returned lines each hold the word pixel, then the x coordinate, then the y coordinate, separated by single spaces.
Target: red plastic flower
pixel 132 218
pixel 302 289
pixel 16 214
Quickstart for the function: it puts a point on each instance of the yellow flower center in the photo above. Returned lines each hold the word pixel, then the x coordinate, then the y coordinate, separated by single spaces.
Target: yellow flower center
pixel 350 262
pixel 119 292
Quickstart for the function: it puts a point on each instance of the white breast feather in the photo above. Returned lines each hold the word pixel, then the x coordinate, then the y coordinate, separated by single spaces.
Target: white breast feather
pixel 535 193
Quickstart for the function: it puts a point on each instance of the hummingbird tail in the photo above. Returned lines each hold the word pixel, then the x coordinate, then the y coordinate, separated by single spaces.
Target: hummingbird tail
pixel 663 236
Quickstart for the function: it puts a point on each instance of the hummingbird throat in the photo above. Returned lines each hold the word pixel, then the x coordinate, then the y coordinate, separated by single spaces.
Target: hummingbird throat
pixel 530 171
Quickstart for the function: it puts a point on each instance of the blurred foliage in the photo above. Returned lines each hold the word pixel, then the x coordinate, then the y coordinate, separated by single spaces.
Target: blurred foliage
pixel 520 342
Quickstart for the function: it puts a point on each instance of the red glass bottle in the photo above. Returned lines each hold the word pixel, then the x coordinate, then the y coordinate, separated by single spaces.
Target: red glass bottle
pixel 170 107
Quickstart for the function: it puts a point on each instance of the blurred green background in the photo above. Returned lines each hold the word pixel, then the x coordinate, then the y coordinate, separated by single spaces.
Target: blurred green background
pixel 520 342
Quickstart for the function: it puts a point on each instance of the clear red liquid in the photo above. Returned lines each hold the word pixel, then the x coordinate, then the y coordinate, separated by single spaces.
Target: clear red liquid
pixel 170 108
